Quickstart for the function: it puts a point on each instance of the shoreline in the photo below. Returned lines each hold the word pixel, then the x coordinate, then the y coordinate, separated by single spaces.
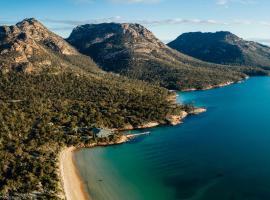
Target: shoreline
pixel 72 182
pixel 73 187
pixel 215 86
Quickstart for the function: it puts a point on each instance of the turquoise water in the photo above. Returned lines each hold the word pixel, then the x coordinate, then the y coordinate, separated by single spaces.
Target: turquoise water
pixel 223 154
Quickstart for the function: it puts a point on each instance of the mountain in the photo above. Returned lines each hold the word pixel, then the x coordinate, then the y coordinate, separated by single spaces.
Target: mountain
pixel 51 97
pixel 223 48
pixel 133 51
pixel 30 47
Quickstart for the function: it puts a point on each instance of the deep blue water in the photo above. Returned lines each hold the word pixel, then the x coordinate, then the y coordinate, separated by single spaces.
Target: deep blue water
pixel 223 154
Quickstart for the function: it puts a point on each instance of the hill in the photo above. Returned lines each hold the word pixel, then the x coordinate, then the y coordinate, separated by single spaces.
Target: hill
pixel 30 47
pixel 52 97
pixel 223 48
pixel 133 51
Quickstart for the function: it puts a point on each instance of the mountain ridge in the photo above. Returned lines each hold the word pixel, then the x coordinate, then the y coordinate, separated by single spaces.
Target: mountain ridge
pixel 30 47
pixel 134 51
pixel 223 47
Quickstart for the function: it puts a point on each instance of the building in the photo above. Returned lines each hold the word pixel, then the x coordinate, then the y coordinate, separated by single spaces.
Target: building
pixel 102 133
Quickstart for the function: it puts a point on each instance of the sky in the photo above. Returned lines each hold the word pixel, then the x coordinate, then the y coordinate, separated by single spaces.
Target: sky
pixel 167 19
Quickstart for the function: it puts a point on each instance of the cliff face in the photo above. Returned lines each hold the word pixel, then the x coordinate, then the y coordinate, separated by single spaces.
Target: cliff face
pixel 223 48
pixel 30 47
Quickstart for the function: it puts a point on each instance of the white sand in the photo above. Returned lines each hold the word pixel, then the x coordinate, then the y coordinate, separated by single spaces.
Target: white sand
pixel 72 184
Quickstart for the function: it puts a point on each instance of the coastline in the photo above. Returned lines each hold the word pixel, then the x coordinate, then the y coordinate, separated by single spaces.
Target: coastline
pixel 214 86
pixel 72 183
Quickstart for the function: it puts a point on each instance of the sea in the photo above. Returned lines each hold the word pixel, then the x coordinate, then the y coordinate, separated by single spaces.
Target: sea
pixel 223 154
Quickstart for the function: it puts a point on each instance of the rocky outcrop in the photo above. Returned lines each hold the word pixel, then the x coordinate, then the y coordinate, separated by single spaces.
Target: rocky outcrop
pixel 148 125
pixel 30 47
pixel 197 111
pixel 177 119
pixel 169 120
pixel 26 35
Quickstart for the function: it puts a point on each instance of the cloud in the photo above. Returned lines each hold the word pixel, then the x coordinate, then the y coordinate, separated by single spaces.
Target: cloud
pixel 181 21
pixel 117 1
pixel 262 40
pixel 135 1
pixel 226 3
pixel 265 41
pixel 119 19
pixel 116 19
pixel 66 24
pixel 264 23
pixel 82 1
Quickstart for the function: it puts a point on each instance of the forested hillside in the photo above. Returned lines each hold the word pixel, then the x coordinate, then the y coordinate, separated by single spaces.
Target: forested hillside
pixel 51 96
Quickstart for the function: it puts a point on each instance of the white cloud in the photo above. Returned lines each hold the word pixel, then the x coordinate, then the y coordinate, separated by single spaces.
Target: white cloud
pixel 118 1
pixel 226 3
pixel 135 1
pixel 180 21
pixel 222 2
pixel 264 23
pixel 82 1
pixel 265 41
pixel 119 19
pixel 170 21
pixel 116 19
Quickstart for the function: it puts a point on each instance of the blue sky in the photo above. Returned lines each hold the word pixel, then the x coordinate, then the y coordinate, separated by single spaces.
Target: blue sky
pixel 249 19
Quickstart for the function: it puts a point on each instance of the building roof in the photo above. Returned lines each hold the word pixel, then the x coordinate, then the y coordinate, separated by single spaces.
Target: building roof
pixel 102 133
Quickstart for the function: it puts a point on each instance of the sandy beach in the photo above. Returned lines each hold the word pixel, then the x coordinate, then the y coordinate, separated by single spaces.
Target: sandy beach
pixel 72 184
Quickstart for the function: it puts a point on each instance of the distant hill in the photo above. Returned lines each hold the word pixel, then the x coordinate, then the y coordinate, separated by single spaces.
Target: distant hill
pixel 132 50
pixel 223 48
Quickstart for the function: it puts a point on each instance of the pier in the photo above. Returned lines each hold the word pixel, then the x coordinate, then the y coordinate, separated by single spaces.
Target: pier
pixel 131 136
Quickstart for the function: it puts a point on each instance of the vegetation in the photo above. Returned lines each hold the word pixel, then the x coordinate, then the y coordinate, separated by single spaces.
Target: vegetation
pixel 39 114
pixel 51 96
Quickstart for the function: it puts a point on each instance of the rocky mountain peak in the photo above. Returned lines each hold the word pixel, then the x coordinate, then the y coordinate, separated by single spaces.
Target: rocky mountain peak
pixel 138 31
pixel 30 40
pixel 110 41
pixel 30 32
pixel 227 36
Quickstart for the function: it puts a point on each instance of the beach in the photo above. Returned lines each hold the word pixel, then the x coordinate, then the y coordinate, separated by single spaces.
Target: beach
pixel 72 184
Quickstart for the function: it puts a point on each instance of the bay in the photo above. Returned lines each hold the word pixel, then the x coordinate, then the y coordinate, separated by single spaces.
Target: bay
pixel 223 154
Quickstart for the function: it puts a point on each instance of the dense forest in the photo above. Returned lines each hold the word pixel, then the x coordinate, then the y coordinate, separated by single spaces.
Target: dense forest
pixel 40 114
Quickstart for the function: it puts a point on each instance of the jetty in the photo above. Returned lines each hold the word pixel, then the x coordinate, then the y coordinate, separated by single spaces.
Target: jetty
pixel 131 136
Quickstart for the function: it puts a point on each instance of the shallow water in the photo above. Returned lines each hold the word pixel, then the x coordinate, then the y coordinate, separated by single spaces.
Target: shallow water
pixel 223 154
